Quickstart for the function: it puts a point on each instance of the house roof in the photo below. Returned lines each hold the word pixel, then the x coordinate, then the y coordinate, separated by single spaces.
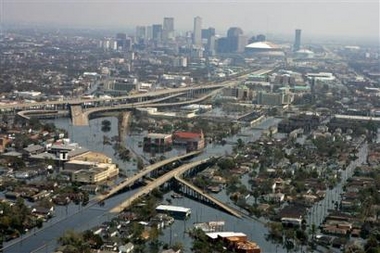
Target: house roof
pixel 33 148
pixel 187 135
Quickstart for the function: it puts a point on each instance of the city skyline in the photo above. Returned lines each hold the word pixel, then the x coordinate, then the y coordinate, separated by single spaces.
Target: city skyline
pixel 318 18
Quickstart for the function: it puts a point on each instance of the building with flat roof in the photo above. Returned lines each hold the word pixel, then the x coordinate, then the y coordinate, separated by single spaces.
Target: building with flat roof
pixel 158 142
pixel 177 212
pixel 297 40
pixel 192 141
pixel 168 29
pixel 274 99
pixel 321 76
pixel 90 172
pixel 197 32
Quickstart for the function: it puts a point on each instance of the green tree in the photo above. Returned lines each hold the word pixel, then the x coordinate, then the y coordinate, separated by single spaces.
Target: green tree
pixel 95 241
pixel 226 163
pixel 140 163
pixel 73 242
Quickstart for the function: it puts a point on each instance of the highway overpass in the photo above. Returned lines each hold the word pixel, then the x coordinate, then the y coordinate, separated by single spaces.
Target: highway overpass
pixel 135 97
pixel 176 174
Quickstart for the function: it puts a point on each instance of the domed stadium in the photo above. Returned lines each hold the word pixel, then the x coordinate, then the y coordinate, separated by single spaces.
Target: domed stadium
pixel 264 48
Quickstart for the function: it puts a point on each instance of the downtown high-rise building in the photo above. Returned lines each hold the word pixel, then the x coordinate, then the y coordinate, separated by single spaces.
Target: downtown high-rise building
pixel 168 29
pixel 297 40
pixel 157 32
pixel 140 33
pixel 197 32
pixel 121 41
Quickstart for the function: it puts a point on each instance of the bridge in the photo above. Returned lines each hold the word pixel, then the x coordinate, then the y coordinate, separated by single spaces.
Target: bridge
pixel 191 189
pixel 85 115
pixel 43 114
pixel 130 181
pixel 80 116
pixel 176 173
pixel 135 97
pixel 129 100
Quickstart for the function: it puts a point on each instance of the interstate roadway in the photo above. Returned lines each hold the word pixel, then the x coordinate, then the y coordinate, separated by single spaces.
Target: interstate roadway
pixel 39 105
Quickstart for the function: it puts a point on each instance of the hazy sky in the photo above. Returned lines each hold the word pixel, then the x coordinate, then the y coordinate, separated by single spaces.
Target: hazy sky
pixel 354 18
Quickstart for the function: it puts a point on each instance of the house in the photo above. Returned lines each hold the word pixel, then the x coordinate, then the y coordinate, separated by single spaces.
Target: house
pixel 234 242
pixel 34 149
pixel 274 197
pixel 43 211
pixel 292 215
pixel 127 248
pixel 171 251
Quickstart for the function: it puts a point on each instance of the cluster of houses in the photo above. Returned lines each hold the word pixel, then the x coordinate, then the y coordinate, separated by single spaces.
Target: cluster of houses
pixel 234 242
pixel 124 227
pixel 79 164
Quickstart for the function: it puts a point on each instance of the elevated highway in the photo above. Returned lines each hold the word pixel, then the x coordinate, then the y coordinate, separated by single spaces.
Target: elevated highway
pixel 155 184
pixel 208 197
pixel 176 174
pixel 85 115
pixel 130 181
pixel 135 97
pixel 43 114
pixel 80 116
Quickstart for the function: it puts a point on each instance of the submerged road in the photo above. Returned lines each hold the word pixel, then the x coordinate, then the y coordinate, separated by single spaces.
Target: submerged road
pixel 45 239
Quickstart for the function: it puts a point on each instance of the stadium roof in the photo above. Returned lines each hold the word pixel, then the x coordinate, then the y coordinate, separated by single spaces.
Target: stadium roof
pixel 262 45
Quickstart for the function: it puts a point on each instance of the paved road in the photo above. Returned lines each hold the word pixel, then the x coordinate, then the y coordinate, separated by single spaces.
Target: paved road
pixel 141 95
pixel 320 209
pixel 155 184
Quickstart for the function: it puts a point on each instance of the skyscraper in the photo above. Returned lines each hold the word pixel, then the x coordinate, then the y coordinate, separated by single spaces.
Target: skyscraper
pixel 236 40
pixel 197 32
pixel 168 29
pixel 121 40
pixel 297 41
pixel 140 33
pixel 157 32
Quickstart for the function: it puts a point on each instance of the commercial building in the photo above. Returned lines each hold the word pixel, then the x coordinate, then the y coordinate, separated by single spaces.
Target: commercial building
pixel 297 41
pixel 235 41
pixel 274 99
pixel 122 42
pixel 305 121
pixel 158 140
pixel 192 141
pixel 321 76
pixel 209 35
pixel 239 93
pixel 90 172
pixel 197 32
pixel 157 32
pixel 168 29
pixel 116 87
pixel 140 34
pixel 177 212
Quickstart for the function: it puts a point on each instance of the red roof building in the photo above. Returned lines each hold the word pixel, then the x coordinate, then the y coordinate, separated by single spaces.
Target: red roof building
pixel 192 140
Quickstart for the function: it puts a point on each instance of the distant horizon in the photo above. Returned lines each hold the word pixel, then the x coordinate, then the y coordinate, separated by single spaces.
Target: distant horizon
pixel 282 36
pixel 316 18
